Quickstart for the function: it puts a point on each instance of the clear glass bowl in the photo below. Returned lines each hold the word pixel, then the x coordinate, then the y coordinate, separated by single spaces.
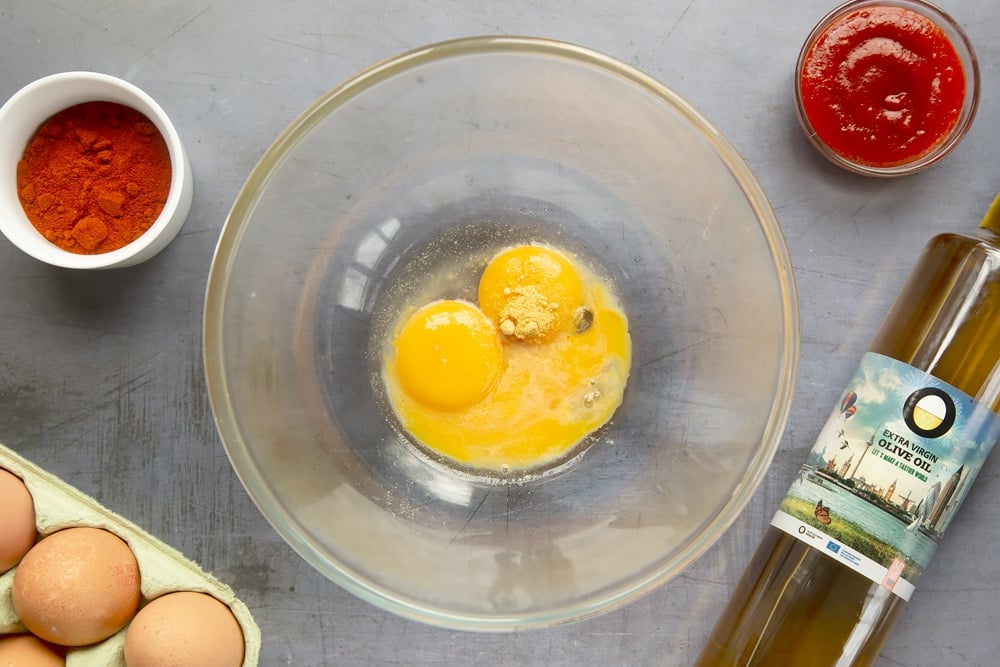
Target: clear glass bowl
pixel 437 153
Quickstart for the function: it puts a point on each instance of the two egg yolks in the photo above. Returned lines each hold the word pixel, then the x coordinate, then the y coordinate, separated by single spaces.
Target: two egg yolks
pixel 517 381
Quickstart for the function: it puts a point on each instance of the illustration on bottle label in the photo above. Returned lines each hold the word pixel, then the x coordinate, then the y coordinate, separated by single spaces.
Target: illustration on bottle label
pixel 888 472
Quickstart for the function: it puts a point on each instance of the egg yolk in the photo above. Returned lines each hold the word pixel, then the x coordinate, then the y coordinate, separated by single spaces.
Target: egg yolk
pixel 530 292
pixel 448 356
pixel 467 387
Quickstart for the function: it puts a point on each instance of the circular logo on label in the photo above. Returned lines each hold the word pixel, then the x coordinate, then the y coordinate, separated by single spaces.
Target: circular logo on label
pixel 929 412
pixel 802 530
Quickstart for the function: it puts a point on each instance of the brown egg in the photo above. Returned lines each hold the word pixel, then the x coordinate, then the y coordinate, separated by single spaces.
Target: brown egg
pixel 184 629
pixel 28 651
pixel 77 586
pixel 17 517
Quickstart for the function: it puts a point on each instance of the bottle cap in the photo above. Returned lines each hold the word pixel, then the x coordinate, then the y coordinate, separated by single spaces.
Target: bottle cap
pixel 992 219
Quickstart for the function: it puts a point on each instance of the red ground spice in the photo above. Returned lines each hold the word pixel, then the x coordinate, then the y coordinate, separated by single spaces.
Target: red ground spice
pixel 94 177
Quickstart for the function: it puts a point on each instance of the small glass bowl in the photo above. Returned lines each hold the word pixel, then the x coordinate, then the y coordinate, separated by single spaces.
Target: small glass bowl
pixel 970 65
pixel 31 106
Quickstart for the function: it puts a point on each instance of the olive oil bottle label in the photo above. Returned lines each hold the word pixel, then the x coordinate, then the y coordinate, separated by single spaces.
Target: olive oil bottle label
pixel 888 472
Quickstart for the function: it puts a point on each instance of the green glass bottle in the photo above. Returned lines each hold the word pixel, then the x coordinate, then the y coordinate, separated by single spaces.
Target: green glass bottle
pixel 826 585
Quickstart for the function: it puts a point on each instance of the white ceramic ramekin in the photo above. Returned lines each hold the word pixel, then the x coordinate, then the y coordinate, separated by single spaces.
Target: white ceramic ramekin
pixel 31 106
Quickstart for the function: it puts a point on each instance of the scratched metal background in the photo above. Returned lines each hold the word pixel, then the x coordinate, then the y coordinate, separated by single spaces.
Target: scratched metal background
pixel 101 376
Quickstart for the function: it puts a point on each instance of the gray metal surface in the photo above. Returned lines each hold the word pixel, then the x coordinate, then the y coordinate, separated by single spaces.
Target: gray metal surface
pixel 101 378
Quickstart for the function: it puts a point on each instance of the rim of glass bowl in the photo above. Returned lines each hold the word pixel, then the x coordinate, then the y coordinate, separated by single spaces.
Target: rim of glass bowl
pixel 966 54
pixel 271 506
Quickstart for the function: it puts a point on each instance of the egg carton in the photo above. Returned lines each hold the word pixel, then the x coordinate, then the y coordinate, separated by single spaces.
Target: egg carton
pixel 162 569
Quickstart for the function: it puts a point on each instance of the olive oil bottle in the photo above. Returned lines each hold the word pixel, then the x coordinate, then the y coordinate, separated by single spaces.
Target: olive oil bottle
pixel 888 471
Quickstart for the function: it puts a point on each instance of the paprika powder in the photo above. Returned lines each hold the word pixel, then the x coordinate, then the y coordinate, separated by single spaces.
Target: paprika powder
pixel 94 177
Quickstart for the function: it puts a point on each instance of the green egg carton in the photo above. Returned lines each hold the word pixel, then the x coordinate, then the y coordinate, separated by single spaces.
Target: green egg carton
pixel 162 569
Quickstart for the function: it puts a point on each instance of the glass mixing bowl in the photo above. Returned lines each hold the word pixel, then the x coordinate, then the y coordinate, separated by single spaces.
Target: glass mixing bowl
pixel 447 151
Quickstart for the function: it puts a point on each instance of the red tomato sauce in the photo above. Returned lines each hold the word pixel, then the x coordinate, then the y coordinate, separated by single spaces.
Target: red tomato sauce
pixel 882 86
